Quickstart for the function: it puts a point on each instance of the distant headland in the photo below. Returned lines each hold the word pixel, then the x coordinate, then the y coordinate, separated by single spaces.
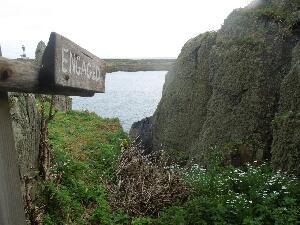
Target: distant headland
pixel 133 65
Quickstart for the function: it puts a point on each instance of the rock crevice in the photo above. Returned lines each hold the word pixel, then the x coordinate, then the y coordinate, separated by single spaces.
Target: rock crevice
pixel 227 87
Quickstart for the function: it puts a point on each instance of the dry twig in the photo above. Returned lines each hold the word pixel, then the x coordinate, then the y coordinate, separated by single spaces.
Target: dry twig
pixel 146 184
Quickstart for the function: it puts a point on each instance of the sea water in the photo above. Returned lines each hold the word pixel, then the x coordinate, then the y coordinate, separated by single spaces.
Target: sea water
pixel 129 96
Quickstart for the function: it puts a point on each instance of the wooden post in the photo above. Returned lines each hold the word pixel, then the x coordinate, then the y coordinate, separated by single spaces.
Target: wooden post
pixel 66 69
pixel 11 206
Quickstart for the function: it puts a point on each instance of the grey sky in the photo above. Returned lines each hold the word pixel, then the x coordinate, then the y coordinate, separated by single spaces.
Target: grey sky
pixel 111 28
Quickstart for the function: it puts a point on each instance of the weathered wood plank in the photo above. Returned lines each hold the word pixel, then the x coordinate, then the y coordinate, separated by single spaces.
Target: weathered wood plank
pixel 67 65
pixel 22 76
pixel 18 75
pixel 67 69
pixel 11 206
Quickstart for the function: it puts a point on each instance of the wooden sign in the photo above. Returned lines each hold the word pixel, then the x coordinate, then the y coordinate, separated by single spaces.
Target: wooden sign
pixel 67 66
pixel 67 69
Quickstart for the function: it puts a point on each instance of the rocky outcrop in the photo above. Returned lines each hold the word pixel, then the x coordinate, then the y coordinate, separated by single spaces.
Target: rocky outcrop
pixel 286 125
pixel 62 103
pixel 141 134
pixel 26 129
pixel 39 52
pixel 26 126
pixel 133 65
pixel 26 121
pixel 227 86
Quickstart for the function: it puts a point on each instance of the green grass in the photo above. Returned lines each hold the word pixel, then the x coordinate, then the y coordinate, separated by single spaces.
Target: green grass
pixel 85 152
pixel 245 195
pixel 85 149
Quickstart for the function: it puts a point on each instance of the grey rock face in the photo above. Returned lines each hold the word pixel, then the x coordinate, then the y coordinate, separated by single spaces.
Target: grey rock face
pixel 62 103
pixel 227 86
pixel 26 128
pixel 39 52
pixel 141 133
pixel 286 125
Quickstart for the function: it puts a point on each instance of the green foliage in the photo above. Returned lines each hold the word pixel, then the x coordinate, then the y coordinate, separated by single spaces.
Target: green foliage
pixel 85 152
pixel 176 156
pixel 228 195
pixel 173 216
pixel 283 118
pixel 85 149
pixel 285 14
pixel 286 142
pixel 142 221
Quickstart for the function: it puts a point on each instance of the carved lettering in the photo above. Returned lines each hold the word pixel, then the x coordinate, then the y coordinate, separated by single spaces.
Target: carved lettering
pixel 64 60
pixel 73 64
pixel 83 69
pixel 78 68
pixel 88 73
pixel 98 73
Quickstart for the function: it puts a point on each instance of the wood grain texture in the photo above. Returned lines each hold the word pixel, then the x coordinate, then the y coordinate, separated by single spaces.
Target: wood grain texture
pixel 18 75
pixel 25 76
pixel 70 66
pixel 11 206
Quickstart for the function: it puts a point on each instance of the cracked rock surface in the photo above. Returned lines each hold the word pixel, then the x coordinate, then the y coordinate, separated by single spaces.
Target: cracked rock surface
pixel 228 88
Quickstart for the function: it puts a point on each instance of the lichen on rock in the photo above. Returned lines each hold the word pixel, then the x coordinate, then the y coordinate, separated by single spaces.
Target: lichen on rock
pixel 286 124
pixel 26 121
pixel 26 129
pixel 226 86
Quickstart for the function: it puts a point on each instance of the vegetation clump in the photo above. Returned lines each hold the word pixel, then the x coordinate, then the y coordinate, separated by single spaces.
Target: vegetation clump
pixel 245 195
pixel 85 152
pixel 98 177
pixel 147 184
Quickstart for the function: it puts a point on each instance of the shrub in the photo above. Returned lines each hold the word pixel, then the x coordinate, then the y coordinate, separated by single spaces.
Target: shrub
pixel 228 195
pixel 141 221
pixel 172 216
pixel 94 181
pixel 144 187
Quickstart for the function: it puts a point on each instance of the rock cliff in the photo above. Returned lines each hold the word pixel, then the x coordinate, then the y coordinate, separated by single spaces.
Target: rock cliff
pixel 237 90
pixel 26 127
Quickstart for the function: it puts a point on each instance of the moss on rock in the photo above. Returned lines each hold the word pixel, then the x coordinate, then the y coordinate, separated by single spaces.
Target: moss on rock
pixel 286 125
pixel 225 86
pixel 286 143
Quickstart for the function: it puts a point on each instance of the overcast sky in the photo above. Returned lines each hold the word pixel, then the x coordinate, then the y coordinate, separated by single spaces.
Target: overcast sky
pixel 111 28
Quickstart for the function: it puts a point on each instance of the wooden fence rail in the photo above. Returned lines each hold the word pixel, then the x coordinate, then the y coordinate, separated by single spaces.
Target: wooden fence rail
pixel 67 69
